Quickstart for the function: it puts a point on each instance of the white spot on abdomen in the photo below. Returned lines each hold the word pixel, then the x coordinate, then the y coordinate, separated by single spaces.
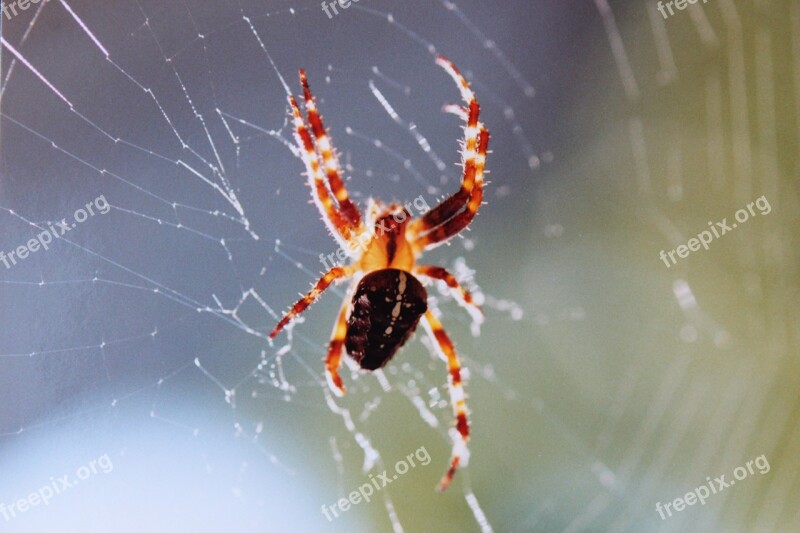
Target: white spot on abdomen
pixel 401 288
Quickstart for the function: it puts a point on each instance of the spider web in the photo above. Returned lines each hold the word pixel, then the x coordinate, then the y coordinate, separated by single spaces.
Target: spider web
pixel 142 333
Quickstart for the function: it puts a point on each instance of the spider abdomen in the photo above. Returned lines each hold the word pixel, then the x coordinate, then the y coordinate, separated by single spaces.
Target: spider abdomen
pixel 387 306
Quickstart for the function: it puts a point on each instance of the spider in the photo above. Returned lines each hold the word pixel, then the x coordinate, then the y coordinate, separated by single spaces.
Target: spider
pixel 385 300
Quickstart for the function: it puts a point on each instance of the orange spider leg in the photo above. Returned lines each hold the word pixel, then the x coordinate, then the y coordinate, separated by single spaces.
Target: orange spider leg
pixel 338 226
pixel 348 209
pixel 301 305
pixel 456 224
pixel 334 358
pixel 462 295
pixel 470 156
pixel 452 205
pixel 460 434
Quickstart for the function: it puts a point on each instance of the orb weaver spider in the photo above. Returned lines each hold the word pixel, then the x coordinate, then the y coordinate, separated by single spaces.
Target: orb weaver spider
pixel 386 301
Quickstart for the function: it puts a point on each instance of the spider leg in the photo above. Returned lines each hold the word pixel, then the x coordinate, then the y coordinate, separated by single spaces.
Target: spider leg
pixel 450 217
pixel 301 305
pixel 334 358
pixel 347 208
pixel 463 296
pixel 455 225
pixel 459 434
pixel 338 226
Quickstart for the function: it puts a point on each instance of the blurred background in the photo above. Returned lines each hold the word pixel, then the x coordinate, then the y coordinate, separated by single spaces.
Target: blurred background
pixel 602 381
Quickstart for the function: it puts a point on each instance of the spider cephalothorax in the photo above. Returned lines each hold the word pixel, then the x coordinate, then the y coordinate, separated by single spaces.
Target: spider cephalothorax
pixel 388 245
pixel 386 301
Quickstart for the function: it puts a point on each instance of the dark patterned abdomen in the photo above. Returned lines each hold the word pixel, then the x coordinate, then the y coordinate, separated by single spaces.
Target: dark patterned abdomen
pixel 387 307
